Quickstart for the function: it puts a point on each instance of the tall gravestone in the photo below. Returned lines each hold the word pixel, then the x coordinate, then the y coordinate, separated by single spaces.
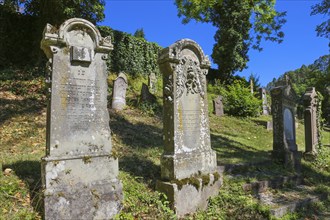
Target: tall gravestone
pixel 188 165
pixel 327 106
pixel 263 96
pixel 285 148
pixel 79 174
pixel 152 83
pixel 218 106
pixel 146 95
pixel 119 92
pixel 310 121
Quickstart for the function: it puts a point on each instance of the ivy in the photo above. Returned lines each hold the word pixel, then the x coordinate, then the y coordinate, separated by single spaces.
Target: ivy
pixel 132 55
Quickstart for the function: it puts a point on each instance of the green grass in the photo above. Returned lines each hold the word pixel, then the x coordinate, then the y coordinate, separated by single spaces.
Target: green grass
pixel 137 140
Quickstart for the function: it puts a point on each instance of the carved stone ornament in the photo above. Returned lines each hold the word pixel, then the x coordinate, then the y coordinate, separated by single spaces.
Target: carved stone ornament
pixel 189 78
pixel 79 173
pixel 187 146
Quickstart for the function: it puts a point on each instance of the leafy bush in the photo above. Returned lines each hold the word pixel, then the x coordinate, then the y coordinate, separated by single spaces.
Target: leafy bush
pixel 238 100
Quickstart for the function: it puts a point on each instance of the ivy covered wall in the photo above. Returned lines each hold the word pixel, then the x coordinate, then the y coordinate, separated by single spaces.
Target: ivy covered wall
pixel 132 55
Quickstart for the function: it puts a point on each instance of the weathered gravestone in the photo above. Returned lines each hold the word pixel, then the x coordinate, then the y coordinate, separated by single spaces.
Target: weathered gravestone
pixel 327 106
pixel 218 106
pixel 152 83
pixel 263 96
pixel 269 125
pixel 79 174
pixel 146 95
pixel 119 92
pixel 284 131
pixel 188 165
pixel 310 121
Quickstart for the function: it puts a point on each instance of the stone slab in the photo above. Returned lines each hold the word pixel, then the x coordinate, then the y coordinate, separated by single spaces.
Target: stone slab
pixel 294 206
pixel 279 182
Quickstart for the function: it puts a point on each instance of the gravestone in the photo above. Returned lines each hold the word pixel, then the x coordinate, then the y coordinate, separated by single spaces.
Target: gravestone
pixel 310 121
pixel 269 125
pixel 284 131
pixel 146 95
pixel 251 86
pixel 79 173
pixel 218 106
pixel 152 83
pixel 263 96
pixel 327 107
pixel 119 92
pixel 188 165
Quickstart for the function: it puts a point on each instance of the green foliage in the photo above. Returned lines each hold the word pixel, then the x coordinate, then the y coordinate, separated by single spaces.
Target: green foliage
pixel 315 75
pixel 323 29
pixel 16 38
pixel 255 80
pixel 235 20
pixel 137 139
pixel 139 33
pixel 238 101
pixel 233 203
pixel 21 32
pixel 149 108
pixel 139 201
pixel 56 12
pixel 131 54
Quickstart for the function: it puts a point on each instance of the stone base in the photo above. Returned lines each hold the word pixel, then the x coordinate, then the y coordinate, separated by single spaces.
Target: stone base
pixel 190 197
pixel 180 166
pixel 291 159
pixel 81 188
pixel 310 156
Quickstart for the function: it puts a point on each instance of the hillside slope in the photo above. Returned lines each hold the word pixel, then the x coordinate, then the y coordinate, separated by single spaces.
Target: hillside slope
pixel 137 141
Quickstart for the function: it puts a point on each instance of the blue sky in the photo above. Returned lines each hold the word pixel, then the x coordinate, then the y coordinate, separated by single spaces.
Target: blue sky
pixel 161 24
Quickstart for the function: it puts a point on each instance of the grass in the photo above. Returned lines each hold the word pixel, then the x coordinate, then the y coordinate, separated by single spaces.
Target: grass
pixel 137 141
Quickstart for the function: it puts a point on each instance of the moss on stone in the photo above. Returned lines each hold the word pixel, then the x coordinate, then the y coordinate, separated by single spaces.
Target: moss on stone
pixel 216 177
pixel 196 180
pixel 205 180
pixel 87 159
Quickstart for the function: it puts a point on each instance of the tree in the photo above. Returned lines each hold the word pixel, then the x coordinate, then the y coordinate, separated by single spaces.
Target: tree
pixel 139 33
pixel 241 25
pixel 35 14
pixel 315 75
pixel 57 11
pixel 323 29
pixel 256 81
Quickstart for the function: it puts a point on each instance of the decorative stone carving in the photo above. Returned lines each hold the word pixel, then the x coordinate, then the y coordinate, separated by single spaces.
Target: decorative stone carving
pixel 310 121
pixel 187 152
pixel 218 106
pixel 284 130
pixel 263 96
pixel 79 174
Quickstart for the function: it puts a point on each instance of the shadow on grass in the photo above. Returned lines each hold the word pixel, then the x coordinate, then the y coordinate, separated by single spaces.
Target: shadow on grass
pixel 314 176
pixel 230 151
pixel 30 173
pixel 262 123
pixel 141 167
pixel 10 108
pixel 139 135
